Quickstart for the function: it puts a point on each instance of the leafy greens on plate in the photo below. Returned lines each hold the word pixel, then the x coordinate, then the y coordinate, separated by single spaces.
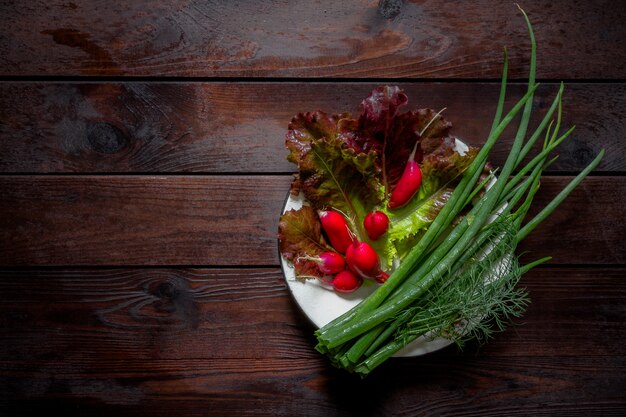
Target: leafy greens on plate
pixel 351 164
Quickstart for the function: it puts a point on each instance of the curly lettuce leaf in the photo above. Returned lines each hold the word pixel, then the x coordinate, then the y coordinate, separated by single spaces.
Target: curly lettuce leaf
pixel 334 175
pixel 300 238
pixel 306 127
pixel 378 112
pixel 444 166
pixel 405 230
pixel 394 134
pixel 404 136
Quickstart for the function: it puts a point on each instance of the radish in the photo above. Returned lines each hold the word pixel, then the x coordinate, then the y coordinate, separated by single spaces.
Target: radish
pixel 409 183
pixel 328 262
pixel 363 259
pixel 337 230
pixel 411 178
pixel 376 224
pixel 332 263
pixel 346 281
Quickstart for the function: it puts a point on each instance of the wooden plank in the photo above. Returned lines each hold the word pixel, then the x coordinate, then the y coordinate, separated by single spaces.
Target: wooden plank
pixel 277 39
pixel 439 384
pixel 135 220
pixel 140 315
pixel 208 313
pixel 240 127
pixel 230 341
pixel 587 228
pixel 191 220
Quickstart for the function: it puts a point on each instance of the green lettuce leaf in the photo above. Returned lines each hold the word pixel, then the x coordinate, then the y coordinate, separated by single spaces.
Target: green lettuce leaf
pixel 406 230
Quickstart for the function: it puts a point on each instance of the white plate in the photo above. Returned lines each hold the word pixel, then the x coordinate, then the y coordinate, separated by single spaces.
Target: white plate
pixel 322 304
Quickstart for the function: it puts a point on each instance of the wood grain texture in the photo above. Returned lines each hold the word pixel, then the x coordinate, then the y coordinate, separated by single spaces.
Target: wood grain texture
pixel 240 127
pixel 131 288
pixel 339 39
pixel 152 341
pixel 233 220
pixel 129 220
pixel 139 315
pixel 441 384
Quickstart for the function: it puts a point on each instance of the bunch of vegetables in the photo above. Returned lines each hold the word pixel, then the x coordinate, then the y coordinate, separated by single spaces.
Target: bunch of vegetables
pixel 372 185
pixel 450 255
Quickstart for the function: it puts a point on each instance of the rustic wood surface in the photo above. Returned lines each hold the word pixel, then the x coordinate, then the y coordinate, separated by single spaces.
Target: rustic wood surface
pixel 194 341
pixel 142 173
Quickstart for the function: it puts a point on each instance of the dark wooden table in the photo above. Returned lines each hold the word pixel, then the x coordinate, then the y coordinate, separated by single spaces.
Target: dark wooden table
pixel 143 172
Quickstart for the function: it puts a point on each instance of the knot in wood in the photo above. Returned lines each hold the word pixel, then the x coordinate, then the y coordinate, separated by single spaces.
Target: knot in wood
pixel 106 138
pixel 390 8
pixel 583 155
pixel 166 290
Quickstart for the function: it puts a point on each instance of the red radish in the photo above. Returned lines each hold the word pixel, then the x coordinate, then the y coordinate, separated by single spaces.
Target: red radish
pixel 337 230
pixel 411 178
pixel 329 262
pixel 409 183
pixel 363 259
pixel 346 281
pixel 376 224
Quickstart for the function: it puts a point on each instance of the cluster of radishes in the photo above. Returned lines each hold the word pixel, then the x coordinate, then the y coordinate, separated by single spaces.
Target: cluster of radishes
pixel 361 260
pixel 353 260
